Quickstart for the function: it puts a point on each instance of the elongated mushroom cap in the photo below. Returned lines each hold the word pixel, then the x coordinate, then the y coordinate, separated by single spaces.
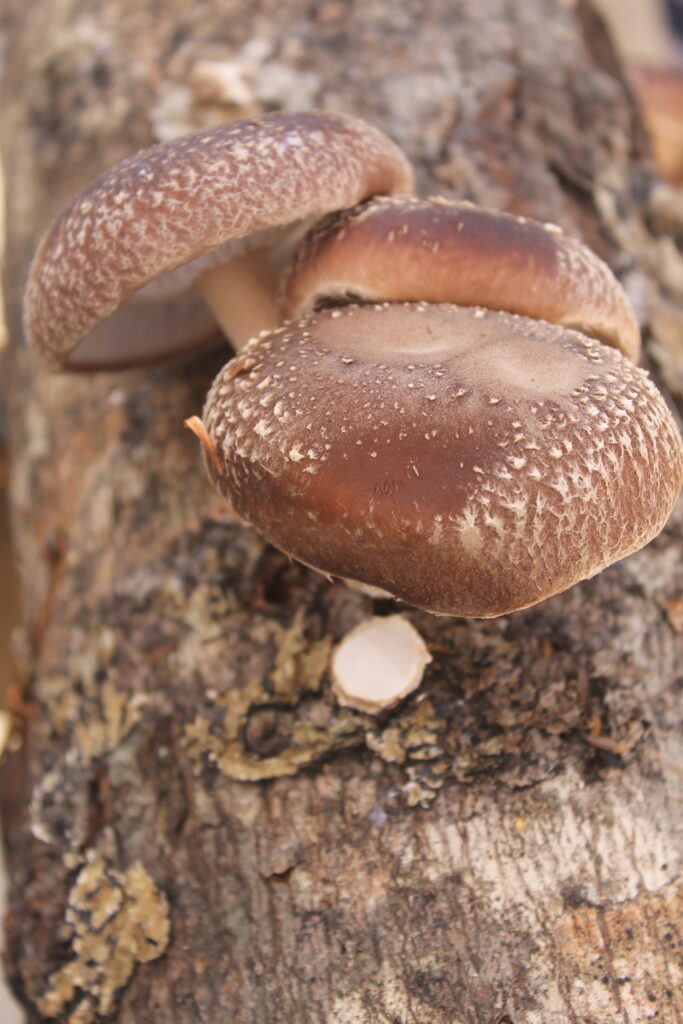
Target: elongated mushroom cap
pixel 406 249
pixel 465 461
pixel 170 206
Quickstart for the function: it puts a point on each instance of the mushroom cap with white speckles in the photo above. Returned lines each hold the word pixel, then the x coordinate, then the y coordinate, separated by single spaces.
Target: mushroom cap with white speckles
pixel 407 249
pixel 467 462
pixel 170 204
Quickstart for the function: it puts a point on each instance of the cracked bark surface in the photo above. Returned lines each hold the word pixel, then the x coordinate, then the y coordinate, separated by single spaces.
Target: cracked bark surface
pixel 195 831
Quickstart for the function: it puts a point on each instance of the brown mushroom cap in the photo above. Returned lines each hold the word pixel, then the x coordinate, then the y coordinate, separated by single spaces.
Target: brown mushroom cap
pixel 173 203
pixel 468 462
pixel 402 248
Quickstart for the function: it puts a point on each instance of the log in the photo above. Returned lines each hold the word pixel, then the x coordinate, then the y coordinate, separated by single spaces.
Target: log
pixel 195 830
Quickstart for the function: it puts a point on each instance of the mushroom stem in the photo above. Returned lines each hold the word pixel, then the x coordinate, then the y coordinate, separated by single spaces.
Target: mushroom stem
pixel 241 296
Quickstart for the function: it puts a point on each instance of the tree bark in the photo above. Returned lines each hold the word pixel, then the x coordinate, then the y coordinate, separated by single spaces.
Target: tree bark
pixel 195 831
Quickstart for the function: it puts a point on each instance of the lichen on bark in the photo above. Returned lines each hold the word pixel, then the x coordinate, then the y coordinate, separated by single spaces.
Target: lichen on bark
pixel 118 920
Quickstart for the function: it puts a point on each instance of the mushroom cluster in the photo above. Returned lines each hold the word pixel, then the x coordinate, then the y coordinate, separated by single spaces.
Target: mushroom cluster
pixel 438 401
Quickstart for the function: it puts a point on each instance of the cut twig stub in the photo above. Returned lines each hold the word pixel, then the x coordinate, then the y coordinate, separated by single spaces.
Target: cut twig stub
pixel 378 663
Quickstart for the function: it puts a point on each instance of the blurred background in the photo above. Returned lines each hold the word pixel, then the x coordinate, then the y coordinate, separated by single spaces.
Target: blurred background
pixel 645 30
pixel 9 617
pixel 9 614
pixel 649 36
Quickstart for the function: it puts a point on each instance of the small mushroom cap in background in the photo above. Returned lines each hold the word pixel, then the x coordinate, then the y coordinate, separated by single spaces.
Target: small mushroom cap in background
pixel 467 462
pixel 169 206
pixel 408 249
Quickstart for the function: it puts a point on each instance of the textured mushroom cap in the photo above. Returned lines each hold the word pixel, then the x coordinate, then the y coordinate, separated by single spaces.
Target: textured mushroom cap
pixel 170 204
pixel 468 462
pixel 402 248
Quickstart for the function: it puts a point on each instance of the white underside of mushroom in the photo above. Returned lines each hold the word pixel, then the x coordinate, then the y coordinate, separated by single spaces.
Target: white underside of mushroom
pixel 378 663
pixel 237 280
pixel 376 593
pixel 277 241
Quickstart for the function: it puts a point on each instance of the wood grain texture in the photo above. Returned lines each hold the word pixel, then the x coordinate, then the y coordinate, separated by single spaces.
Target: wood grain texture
pixel 194 828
